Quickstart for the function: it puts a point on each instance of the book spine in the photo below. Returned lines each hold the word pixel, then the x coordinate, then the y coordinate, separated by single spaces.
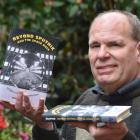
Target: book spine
pixel 87 119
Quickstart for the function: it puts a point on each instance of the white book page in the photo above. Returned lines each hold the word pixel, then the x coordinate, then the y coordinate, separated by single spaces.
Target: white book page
pixel 8 93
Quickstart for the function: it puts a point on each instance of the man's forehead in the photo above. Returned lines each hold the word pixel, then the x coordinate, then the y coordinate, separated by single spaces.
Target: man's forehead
pixel 108 19
pixel 106 39
pixel 110 22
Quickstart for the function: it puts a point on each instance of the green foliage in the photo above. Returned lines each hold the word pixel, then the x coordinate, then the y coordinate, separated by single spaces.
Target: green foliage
pixel 69 20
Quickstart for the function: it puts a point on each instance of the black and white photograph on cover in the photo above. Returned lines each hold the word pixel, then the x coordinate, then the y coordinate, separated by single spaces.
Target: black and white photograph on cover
pixel 27 71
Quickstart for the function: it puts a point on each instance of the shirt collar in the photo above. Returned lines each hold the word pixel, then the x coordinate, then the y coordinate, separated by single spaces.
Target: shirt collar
pixel 126 93
pixel 126 88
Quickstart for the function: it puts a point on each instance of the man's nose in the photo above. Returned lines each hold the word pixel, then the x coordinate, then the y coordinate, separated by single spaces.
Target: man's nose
pixel 103 52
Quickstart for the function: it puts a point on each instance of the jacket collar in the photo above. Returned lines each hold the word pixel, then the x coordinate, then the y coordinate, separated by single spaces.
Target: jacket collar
pixel 125 93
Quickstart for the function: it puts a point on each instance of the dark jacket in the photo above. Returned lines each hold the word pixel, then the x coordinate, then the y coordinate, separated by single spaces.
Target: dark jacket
pixel 127 95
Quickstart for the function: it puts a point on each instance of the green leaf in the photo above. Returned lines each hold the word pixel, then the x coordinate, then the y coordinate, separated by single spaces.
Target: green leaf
pixel 73 10
pixel 84 6
pixel 58 3
pixel 71 1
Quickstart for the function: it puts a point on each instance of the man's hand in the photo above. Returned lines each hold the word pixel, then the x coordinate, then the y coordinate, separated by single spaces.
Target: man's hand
pixel 24 106
pixel 115 131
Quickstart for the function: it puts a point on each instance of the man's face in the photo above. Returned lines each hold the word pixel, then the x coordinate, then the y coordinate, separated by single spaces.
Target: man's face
pixel 113 54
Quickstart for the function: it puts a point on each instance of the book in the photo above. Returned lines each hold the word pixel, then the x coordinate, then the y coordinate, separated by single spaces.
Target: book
pixel 28 65
pixel 87 113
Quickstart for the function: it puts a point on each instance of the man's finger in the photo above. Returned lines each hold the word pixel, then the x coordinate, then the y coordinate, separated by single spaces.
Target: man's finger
pixel 41 106
pixel 27 104
pixel 19 101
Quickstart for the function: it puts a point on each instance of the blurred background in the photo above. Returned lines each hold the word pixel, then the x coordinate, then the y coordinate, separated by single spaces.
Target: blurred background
pixel 69 20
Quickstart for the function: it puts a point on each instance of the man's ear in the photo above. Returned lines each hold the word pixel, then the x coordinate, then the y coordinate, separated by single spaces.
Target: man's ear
pixel 138 52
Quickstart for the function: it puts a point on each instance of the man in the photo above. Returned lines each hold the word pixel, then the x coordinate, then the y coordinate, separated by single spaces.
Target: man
pixel 114 55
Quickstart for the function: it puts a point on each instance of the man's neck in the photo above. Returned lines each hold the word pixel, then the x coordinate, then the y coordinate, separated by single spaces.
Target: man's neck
pixel 111 88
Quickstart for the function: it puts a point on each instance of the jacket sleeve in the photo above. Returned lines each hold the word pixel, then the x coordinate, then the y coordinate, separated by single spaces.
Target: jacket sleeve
pixel 130 136
pixel 43 134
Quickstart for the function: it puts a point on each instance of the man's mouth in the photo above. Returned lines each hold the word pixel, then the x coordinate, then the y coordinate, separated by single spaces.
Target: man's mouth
pixel 105 69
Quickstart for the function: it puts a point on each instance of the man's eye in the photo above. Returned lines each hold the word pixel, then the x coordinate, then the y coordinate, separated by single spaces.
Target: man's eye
pixel 94 46
pixel 115 45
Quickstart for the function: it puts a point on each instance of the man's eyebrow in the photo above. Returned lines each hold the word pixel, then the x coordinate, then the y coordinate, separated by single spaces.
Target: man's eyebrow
pixel 117 40
pixel 121 42
pixel 93 42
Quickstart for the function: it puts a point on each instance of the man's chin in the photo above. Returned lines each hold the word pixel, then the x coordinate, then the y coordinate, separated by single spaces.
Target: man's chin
pixel 105 81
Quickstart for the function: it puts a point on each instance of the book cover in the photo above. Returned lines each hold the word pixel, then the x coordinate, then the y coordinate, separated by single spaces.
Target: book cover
pixel 28 65
pixel 88 113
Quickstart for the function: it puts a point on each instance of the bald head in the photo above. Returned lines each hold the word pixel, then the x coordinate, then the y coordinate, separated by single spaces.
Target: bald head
pixel 119 19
